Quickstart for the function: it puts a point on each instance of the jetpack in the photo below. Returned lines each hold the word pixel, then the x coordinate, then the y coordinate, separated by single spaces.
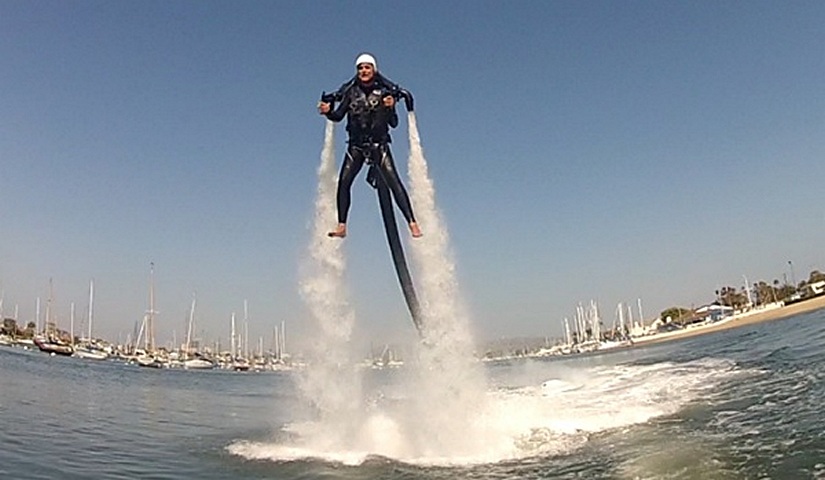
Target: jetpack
pixel 385 201
pixel 392 89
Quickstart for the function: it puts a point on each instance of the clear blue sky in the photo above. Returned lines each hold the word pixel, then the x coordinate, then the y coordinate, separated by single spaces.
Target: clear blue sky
pixel 580 150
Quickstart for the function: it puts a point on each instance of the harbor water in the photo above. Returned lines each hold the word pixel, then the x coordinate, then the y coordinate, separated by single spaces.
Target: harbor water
pixel 745 403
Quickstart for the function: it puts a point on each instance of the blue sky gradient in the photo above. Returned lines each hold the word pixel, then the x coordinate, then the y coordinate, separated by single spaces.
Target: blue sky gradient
pixel 580 150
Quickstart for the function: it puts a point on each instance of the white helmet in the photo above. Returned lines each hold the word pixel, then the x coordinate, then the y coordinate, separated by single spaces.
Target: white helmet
pixel 366 58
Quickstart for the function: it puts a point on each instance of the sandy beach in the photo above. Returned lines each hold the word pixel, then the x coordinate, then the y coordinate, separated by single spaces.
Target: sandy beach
pixel 736 321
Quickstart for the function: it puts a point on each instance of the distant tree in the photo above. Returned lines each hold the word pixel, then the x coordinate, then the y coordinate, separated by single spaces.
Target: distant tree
pixel 30 330
pixel 747 295
pixel 676 314
pixel 9 326
pixel 782 291
pixel 764 293
pixel 816 276
pixel 730 297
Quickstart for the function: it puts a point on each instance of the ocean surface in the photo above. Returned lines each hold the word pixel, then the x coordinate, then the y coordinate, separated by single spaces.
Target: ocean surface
pixel 747 403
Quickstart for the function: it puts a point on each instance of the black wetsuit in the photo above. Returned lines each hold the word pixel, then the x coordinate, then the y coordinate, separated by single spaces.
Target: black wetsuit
pixel 368 126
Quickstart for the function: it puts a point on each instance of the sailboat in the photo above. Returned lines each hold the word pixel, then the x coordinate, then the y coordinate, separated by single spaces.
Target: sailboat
pixel 147 357
pixel 197 362
pixel 87 349
pixel 239 364
pixel 49 342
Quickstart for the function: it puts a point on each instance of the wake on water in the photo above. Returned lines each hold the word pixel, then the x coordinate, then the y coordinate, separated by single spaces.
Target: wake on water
pixel 444 412
pixel 554 417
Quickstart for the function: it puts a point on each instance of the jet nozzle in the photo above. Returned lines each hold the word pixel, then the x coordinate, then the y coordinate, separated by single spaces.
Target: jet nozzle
pixel 408 99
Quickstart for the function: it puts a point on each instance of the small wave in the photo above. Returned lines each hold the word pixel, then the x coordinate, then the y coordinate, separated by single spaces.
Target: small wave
pixel 555 386
pixel 285 453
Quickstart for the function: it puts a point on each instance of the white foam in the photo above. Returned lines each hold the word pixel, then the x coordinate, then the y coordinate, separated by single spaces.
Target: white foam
pixel 515 423
pixel 285 453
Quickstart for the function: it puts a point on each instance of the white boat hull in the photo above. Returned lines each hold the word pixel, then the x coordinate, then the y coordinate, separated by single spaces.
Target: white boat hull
pixel 198 364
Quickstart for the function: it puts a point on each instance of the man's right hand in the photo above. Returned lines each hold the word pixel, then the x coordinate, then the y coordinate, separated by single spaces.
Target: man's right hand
pixel 323 108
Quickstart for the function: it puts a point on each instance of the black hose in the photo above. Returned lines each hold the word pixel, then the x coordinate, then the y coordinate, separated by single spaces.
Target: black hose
pixel 397 250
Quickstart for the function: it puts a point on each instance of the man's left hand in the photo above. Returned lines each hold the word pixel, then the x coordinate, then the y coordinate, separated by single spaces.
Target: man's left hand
pixel 389 101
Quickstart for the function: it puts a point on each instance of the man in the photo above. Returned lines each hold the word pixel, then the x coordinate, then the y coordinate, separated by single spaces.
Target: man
pixel 370 111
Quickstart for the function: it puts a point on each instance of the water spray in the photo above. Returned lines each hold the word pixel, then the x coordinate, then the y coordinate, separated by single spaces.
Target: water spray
pixel 445 391
pixel 331 384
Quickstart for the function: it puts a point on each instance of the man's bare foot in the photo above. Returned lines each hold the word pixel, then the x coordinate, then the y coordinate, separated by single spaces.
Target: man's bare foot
pixel 339 232
pixel 416 232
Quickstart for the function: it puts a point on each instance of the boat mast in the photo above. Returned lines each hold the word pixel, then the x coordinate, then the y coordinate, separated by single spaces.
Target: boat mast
pixel 91 307
pixel 641 315
pixel 621 317
pixel 596 325
pixel 49 323
pixel 37 317
pixel 276 343
pixel 140 334
pixel 232 332
pixel 150 327
pixel 282 350
pixel 189 328
pixel 71 324
pixel 245 329
pixel 629 318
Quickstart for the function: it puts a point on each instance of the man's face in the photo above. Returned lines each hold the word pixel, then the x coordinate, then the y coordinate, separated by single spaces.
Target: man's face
pixel 366 72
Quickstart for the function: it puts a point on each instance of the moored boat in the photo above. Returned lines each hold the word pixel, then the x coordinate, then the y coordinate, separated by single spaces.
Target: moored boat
pixel 90 353
pixel 149 361
pixel 198 364
pixel 53 347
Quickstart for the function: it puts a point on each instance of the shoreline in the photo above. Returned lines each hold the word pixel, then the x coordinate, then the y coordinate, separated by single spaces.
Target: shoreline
pixel 749 318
